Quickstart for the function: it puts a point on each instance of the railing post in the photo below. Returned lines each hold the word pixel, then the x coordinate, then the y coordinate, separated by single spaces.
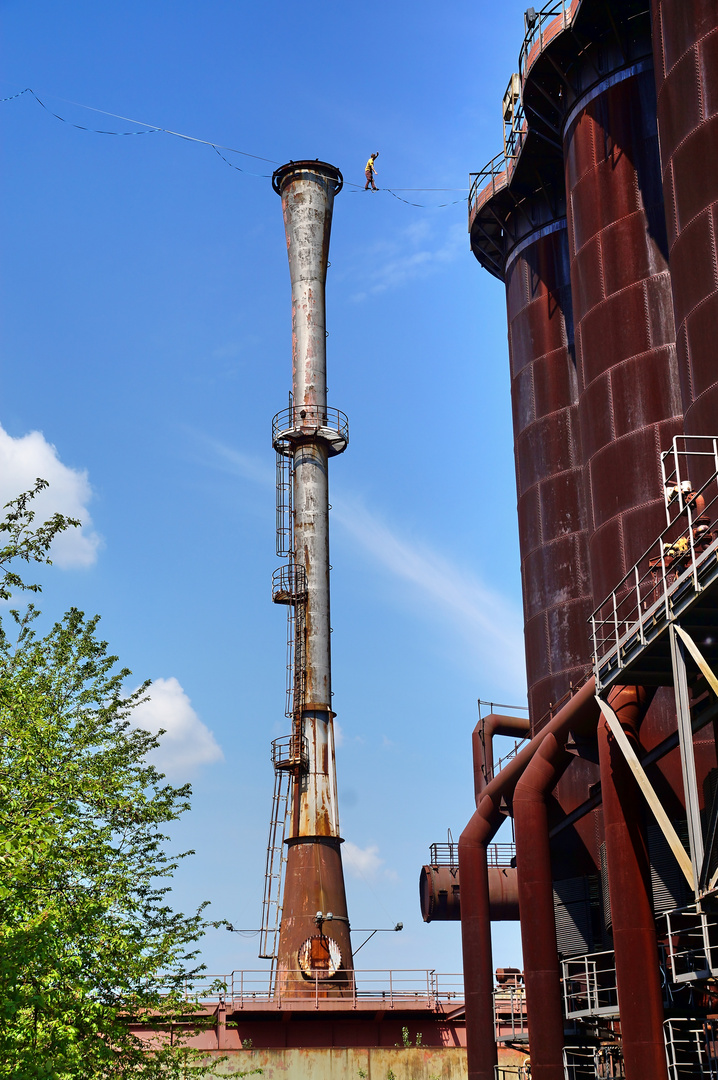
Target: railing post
pixel 664 583
pixel 678 474
pixel 696 586
pixel 615 621
pixel 638 604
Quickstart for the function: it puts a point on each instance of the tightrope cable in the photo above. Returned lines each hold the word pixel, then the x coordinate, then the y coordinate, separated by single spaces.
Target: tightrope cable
pixel 154 129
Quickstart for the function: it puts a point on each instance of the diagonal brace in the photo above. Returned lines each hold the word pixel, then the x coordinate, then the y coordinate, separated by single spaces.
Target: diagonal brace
pixel 698 657
pixel 644 784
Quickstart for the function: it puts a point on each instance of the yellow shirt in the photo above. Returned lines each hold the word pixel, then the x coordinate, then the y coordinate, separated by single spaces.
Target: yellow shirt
pixel 370 165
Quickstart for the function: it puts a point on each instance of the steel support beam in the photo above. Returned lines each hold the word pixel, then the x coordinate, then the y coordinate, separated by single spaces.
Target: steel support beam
pixel 655 804
pixel 688 761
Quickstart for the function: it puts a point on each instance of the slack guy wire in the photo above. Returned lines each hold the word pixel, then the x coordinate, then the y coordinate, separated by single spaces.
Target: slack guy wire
pixel 154 129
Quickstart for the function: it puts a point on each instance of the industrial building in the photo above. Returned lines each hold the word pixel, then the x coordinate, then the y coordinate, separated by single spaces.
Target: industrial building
pixel 600 216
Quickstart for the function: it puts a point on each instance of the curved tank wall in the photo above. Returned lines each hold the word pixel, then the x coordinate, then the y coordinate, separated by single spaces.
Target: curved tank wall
pixel 630 406
pixel 552 527
pixel 685 45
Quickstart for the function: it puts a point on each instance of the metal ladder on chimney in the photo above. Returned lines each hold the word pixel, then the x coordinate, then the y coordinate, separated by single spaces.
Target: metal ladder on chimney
pixel 288 753
pixel 274 868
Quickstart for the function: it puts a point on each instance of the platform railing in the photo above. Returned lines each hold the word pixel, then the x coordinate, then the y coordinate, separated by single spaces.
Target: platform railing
pixel 551 20
pixel 676 566
pixel 298 422
pixel 692 933
pixel 387 988
pixel 290 751
pixel 691 1048
pixel 589 985
pixel 510 1014
pixel 448 854
pixel 503 761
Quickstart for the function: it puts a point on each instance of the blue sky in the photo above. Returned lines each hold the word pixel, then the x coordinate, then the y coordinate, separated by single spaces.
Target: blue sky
pixel 146 344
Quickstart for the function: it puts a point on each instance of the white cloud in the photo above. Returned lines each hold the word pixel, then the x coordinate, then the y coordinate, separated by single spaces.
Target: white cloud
pixel 490 621
pixel 187 742
pixel 24 459
pixel 361 862
pixel 394 263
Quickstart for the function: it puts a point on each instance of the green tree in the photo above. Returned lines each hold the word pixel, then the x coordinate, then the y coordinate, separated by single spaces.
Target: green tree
pixel 89 946
pixel 23 542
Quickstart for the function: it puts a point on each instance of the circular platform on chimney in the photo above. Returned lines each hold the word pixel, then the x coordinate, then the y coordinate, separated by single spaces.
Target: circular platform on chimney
pixel 293 169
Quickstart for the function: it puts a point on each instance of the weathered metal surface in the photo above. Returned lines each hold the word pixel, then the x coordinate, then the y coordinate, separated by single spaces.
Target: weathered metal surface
pixel 685 46
pixel 630 404
pixel 579 712
pixel 314 880
pixel 440 894
pixel 625 342
pixel 633 926
pixel 552 518
pixel 482 741
pixel 347 1063
pixel 588 102
pixel 538 930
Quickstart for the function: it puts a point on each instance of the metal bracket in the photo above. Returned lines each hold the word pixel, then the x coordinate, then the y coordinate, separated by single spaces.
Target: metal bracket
pixel 652 799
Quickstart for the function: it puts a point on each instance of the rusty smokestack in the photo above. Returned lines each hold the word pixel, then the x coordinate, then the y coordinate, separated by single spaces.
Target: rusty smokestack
pixel 314 952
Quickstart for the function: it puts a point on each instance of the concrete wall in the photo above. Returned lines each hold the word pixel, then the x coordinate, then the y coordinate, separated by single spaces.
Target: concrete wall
pixel 375 1063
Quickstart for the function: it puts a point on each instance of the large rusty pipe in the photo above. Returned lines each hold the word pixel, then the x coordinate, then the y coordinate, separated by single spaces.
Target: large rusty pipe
pixel 538 927
pixel 629 881
pixel 533 860
pixel 482 744
pixel 476 903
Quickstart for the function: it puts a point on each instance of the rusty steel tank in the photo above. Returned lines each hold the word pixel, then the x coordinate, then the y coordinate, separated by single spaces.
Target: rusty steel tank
pixel 314 953
pixel 629 390
pixel 630 408
pixel 685 46
pixel 440 893
pixel 533 261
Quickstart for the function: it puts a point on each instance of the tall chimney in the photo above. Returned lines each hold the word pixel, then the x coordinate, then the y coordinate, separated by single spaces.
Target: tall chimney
pixel 314 953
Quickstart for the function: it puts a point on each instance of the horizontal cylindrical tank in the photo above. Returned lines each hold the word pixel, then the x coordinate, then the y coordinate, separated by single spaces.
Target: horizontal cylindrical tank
pixel 685 46
pixel 440 895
